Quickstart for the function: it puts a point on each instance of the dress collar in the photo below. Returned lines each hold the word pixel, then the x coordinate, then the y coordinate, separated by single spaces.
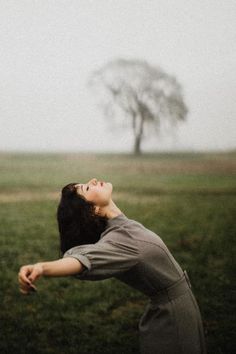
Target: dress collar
pixel 117 220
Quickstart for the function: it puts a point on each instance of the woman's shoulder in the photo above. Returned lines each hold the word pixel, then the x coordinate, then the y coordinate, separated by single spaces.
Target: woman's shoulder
pixel 123 229
pixel 121 226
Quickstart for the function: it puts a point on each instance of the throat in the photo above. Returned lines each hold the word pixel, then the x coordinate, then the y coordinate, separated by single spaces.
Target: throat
pixel 111 210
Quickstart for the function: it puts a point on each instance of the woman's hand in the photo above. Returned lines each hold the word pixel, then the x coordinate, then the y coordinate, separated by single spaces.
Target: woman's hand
pixel 27 276
pixel 59 268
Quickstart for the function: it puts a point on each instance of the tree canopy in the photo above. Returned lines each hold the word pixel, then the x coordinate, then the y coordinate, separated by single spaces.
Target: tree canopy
pixel 134 94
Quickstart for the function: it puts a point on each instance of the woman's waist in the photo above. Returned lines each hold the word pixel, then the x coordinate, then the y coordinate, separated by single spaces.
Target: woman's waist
pixel 172 292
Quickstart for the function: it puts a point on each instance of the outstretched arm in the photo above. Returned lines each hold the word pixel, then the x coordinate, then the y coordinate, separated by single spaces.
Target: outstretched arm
pixel 28 274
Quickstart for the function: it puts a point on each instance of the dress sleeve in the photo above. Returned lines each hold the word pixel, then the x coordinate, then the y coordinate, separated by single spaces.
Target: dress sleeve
pixel 105 259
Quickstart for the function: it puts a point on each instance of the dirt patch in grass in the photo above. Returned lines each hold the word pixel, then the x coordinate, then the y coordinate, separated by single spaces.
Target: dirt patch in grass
pixel 28 196
pixel 170 167
pixel 25 196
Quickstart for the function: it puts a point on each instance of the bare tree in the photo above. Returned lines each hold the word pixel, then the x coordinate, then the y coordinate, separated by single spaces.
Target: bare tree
pixel 135 94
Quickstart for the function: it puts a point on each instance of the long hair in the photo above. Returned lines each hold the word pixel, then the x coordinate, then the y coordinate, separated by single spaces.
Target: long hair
pixel 78 223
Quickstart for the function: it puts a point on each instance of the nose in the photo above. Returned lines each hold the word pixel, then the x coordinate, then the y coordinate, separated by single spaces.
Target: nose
pixel 93 181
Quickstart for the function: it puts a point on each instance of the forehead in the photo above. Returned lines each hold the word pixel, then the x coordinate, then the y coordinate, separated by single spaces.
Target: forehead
pixel 80 188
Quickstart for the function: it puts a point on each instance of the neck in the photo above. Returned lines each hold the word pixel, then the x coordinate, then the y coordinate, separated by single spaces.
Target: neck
pixel 110 210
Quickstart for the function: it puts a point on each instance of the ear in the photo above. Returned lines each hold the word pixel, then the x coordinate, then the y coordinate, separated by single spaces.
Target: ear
pixel 97 210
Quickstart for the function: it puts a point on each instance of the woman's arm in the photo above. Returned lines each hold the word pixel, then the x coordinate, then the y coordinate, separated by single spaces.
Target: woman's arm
pixel 28 274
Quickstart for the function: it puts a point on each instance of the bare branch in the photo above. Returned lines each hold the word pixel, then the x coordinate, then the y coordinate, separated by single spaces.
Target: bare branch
pixel 148 97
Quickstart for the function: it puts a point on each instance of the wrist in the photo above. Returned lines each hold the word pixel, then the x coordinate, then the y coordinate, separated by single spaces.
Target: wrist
pixel 41 268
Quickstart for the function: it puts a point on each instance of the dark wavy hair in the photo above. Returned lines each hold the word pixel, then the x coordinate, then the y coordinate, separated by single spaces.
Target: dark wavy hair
pixel 78 223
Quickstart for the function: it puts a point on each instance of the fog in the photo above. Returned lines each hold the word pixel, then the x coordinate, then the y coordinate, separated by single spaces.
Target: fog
pixel 50 48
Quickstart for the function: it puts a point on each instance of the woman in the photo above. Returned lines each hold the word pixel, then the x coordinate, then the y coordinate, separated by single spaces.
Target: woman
pixel 99 242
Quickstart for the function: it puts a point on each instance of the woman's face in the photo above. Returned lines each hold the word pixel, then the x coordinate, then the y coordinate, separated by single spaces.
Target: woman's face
pixel 95 191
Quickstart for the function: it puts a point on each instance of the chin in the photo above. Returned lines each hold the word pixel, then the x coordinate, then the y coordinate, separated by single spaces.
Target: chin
pixel 110 186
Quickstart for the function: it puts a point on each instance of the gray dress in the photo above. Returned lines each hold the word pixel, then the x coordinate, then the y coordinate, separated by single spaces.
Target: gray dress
pixel 138 257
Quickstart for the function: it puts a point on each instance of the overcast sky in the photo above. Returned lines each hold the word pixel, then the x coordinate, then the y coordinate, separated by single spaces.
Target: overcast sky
pixel 49 48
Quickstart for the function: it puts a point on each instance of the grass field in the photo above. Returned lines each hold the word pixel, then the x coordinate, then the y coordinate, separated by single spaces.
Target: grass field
pixel 188 199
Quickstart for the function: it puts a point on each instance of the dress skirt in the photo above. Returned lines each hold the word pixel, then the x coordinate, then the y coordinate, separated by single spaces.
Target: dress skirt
pixel 172 327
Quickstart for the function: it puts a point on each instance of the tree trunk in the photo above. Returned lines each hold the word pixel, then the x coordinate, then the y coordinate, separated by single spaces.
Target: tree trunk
pixel 138 122
pixel 137 145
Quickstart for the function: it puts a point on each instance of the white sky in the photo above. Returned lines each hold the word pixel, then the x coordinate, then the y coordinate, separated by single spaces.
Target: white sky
pixel 48 49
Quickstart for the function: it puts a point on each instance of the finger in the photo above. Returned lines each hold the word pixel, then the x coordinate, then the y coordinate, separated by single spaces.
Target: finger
pixel 24 287
pixel 34 275
pixel 21 282
pixel 24 280
pixel 24 273
pixel 25 269
pixel 27 289
pixel 24 284
pixel 24 290
pixel 33 288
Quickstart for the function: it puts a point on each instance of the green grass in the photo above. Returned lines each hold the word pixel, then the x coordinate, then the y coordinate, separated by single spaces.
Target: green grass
pixel 188 199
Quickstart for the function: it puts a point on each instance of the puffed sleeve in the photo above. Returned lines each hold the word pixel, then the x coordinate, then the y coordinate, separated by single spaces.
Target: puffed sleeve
pixel 105 259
